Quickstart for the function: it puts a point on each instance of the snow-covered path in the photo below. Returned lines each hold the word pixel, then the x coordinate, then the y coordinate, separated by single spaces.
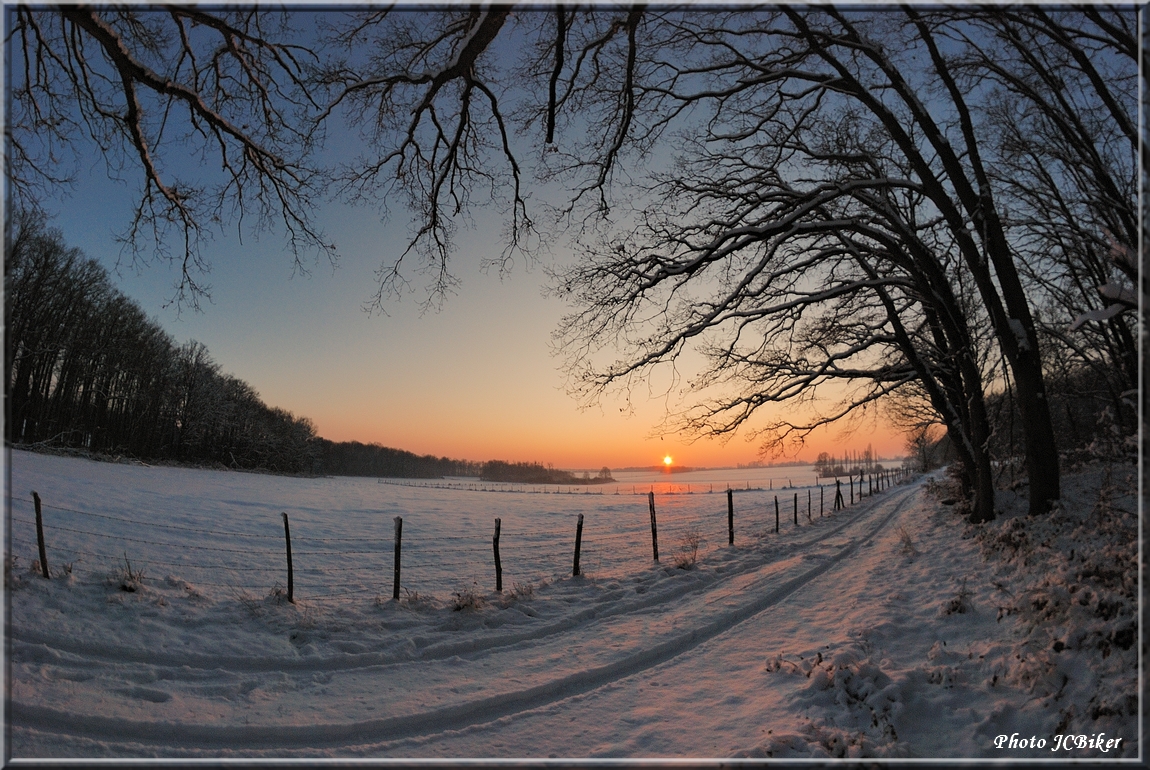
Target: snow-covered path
pixel 830 638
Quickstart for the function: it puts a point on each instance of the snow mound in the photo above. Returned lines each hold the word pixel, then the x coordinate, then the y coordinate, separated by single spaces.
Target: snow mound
pixel 1075 600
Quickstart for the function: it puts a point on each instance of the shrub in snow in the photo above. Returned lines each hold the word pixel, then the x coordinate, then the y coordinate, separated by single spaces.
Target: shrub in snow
pixel 688 552
pixel 467 599
pixel 126 578
pixel 519 592
pixel 411 600
pixel 855 699
pixel 960 603
pixel 248 602
pixel 1077 610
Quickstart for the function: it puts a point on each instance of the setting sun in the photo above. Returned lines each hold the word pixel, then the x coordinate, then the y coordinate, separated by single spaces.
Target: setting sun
pixel 667 460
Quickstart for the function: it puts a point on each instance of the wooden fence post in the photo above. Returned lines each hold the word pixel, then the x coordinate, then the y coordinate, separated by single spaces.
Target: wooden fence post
pixel 730 518
pixel 796 509
pixel 654 529
pixel 851 479
pixel 822 499
pixel 578 543
pixel 809 505
pixel 287 537
pixel 498 564
pixel 776 514
pixel 398 542
pixel 40 538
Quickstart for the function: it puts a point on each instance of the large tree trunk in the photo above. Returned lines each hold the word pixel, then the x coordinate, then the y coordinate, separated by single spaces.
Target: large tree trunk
pixel 982 505
pixel 957 396
pixel 973 202
pixel 1038 432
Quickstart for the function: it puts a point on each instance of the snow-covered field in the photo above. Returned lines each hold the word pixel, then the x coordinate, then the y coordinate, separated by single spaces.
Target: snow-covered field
pixel 890 629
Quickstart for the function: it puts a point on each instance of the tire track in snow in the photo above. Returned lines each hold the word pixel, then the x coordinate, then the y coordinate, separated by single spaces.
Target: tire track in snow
pixel 431 721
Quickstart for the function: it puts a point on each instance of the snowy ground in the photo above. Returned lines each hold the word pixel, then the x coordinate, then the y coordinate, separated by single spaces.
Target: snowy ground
pixel 890 629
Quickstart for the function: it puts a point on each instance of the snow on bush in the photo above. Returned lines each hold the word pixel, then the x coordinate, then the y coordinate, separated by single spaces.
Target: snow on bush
pixel 1040 615
pixel 1076 610
pixel 852 700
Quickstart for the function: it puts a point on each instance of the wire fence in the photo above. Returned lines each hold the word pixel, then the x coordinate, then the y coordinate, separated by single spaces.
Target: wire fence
pixel 613 488
pixel 348 566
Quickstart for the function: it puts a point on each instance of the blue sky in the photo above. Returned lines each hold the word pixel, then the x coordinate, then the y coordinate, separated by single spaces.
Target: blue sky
pixel 474 380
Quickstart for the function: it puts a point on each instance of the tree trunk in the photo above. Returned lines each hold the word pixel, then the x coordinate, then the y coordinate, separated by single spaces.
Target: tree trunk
pixel 982 505
pixel 1038 433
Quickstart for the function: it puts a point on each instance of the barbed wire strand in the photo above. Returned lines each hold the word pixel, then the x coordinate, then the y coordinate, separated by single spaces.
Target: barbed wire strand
pixel 146 523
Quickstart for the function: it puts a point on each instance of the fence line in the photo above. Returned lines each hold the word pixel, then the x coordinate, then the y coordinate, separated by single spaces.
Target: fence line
pixel 219 533
pixel 148 560
pixel 670 523
pixel 542 552
pixel 143 522
pixel 637 489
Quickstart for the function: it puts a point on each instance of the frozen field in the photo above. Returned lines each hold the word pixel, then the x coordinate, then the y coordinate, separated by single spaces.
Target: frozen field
pixel 223 531
pixel 876 631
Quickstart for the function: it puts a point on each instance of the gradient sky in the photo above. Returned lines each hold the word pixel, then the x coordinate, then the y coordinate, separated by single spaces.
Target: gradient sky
pixel 476 380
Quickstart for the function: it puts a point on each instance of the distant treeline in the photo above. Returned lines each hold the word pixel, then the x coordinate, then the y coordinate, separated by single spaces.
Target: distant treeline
pixel 850 464
pixel 351 458
pixel 535 473
pixel 86 368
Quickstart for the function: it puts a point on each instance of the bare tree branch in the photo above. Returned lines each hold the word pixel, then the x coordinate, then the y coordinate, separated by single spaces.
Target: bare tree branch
pixel 147 86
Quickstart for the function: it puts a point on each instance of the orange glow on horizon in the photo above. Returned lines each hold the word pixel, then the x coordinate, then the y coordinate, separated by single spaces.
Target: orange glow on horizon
pixel 574 445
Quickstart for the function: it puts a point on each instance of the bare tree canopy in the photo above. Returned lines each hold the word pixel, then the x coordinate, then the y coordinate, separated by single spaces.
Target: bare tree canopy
pixel 145 88
pixel 894 201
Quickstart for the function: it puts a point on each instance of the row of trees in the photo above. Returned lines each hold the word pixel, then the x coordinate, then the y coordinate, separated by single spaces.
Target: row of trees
pixel 910 203
pixel 86 368
pixel 933 207
pixel 352 458
pixel 537 473
pixel 850 463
